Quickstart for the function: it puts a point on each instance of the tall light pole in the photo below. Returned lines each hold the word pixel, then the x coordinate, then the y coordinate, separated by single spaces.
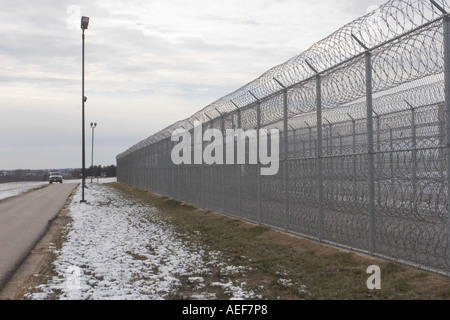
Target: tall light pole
pixel 93 125
pixel 84 26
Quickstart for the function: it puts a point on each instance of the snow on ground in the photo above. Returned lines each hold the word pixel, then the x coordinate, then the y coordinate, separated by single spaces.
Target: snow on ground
pixel 118 249
pixel 11 189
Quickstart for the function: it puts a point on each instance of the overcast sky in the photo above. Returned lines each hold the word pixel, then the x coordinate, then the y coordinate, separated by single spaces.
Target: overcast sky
pixel 148 65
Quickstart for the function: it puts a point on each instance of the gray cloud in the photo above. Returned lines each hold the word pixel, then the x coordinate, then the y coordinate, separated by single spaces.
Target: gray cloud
pixel 148 64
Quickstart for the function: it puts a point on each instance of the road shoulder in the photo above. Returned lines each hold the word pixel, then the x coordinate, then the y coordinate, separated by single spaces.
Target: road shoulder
pixel 36 268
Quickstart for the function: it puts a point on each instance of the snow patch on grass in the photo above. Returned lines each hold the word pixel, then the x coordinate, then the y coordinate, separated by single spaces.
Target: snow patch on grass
pixel 118 249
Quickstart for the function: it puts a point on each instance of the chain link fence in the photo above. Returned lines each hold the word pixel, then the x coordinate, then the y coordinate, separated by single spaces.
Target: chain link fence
pixel 363 161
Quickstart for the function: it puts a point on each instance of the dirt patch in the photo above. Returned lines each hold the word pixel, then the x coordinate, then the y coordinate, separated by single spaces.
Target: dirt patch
pixel 37 267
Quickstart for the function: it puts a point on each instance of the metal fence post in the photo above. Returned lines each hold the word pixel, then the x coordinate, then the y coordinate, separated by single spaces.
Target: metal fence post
pixel 239 169
pixel 191 171
pixel 319 154
pixel 237 165
pixel 202 167
pixel 258 163
pixel 370 151
pixel 285 154
pixel 258 166
pixel 285 158
pixel 211 169
pixel 224 162
pixel 370 146
pixel 319 151
pixel 447 109
pixel 414 157
pixel 354 154
pixel 391 160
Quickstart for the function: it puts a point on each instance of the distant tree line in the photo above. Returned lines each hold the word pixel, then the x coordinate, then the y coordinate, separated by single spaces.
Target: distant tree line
pixel 99 171
pixel 22 175
pixel 42 175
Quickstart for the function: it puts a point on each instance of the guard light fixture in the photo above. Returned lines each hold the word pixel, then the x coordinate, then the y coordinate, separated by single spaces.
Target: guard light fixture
pixel 84 22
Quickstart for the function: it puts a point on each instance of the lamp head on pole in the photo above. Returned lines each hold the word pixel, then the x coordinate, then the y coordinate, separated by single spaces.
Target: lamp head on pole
pixel 84 22
pixel 93 124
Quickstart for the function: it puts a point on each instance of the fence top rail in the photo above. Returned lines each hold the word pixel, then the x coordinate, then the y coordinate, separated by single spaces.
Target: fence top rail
pixel 390 21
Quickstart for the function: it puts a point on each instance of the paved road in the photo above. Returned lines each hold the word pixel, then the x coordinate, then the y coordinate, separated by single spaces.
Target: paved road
pixel 24 220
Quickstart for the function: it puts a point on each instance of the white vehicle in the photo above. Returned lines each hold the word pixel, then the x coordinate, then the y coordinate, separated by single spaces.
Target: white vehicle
pixel 55 177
